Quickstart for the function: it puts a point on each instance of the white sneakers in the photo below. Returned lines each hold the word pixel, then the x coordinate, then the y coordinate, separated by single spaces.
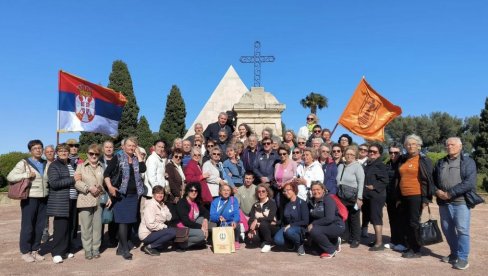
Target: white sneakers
pixel 339 246
pixel 57 259
pixel 69 255
pixel 27 257
pixel 266 248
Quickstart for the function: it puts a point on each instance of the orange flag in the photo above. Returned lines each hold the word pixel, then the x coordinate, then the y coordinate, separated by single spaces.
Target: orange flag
pixel 367 113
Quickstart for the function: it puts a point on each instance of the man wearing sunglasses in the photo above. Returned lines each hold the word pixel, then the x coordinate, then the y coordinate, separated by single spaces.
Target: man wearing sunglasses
pixel 265 162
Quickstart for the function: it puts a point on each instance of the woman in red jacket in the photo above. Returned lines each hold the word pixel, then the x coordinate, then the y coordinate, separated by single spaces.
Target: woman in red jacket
pixel 193 173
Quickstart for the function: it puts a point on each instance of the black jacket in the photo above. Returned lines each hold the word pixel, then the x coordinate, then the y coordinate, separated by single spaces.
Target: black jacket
pixel 183 209
pixel 59 184
pixel 324 212
pixel 376 174
pixel 269 207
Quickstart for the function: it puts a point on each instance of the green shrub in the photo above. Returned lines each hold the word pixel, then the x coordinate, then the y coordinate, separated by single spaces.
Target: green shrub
pixel 7 163
pixel 436 156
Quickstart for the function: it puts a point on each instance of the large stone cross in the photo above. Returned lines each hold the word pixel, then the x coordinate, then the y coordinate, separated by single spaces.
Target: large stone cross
pixel 257 59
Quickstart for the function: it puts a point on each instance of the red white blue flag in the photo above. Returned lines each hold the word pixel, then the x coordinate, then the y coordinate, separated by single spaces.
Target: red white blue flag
pixel 84 106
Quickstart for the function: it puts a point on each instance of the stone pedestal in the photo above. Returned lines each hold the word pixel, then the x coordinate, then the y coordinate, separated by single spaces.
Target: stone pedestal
pixel 260 109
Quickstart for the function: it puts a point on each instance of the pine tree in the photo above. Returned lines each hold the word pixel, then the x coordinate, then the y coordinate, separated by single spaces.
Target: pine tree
pixel 120 81
pixel 481 142
pixel 144 134
pixel 173 124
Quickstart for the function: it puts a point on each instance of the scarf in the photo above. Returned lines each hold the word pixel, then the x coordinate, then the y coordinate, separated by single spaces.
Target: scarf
pixel 310 128
pixel 125 167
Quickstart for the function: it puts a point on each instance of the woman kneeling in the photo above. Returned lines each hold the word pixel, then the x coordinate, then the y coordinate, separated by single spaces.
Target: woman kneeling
pixel 153 231
pixel 224 211
pixel 295 219
pixel 327 225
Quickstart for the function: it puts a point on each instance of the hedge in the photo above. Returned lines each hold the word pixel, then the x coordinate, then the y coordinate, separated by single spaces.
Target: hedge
pixel 7 163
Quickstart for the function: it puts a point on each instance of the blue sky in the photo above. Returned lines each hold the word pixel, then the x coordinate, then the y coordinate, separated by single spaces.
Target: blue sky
pixel 422 55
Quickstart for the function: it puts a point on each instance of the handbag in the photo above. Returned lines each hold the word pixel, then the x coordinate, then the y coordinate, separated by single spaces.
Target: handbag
pixel 20 190
pixel 107 215
pixel 347 193
pixel 472 199
pixel 429 232
pixel 182 234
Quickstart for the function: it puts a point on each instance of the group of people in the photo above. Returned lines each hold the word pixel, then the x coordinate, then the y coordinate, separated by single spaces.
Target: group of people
pixel 299 193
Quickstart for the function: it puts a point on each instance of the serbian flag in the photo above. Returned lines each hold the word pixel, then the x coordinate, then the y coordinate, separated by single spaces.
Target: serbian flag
pixel 84 106
pixel 367 113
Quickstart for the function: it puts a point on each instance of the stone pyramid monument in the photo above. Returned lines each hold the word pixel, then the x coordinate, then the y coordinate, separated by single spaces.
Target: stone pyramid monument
pixel 229 91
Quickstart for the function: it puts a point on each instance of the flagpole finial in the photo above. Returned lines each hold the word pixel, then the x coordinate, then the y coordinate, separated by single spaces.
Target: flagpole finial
pixel 364 77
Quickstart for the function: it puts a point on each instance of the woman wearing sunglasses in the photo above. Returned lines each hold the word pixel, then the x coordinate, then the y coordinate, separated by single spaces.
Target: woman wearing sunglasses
pixel 307 130
pixel 90 187
pixel 214 169
pixel 374 195
pixel 262 219
pixel 175 177
pixel 193 215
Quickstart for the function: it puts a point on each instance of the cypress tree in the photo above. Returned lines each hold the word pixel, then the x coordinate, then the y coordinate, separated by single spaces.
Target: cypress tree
pixel 481 142
pixel 121 81
pixel 144 134
pixel 173 124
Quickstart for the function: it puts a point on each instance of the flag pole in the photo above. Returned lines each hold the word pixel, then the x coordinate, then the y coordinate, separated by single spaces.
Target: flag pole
pixel 332 133
pixel 57 127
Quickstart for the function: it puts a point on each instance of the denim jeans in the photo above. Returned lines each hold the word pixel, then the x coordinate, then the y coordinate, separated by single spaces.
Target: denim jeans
pixel 455 220
pixel 293 235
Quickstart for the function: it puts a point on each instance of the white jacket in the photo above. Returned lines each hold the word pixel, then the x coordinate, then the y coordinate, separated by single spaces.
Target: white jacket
pixel 155 169
pixel 311 173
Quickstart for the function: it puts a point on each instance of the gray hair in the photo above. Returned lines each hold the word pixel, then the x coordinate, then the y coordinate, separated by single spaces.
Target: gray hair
pixel 302 138
pixel 197 124
pixel 223 114
pixel 455 139
pixel 195 150
pixel 414 137
pixel 49 146
pixel 320 140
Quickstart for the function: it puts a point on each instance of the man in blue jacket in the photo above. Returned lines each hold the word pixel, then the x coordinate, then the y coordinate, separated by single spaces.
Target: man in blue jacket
pixel 454 176
pixel 265 162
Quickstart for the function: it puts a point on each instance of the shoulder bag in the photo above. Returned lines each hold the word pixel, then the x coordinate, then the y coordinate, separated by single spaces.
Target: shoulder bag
pixel 20 190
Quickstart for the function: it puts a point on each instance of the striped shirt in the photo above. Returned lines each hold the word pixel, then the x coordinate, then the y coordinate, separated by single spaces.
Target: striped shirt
pixel 73 193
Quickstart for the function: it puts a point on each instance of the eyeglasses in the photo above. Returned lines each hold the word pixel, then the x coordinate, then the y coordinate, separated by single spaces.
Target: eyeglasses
pixel 216 154
pixel 193 191
pixel 210 146
pixel 222 135
pixel 301 143
pixel 74 145
pixel 261 191
pixel 283 153
pixel 326 151
pixel 197 155
pixel 317 131
pixel 373 151
pixel 296 152
pixel 336 151
pixel 363 149
pixel 267 143
pixel 93 154
pixel 309 119
pixel 394 152
pixel 178 156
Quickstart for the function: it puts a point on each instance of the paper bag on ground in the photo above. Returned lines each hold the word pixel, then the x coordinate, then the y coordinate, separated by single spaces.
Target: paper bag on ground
pixel 223 240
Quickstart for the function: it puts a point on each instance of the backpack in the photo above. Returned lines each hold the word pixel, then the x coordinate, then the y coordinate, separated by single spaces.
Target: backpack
pixel 341 209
